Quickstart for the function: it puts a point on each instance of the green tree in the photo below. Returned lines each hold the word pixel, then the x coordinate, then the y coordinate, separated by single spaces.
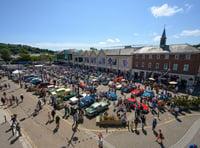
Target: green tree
pixel 25 57
pixel 5 54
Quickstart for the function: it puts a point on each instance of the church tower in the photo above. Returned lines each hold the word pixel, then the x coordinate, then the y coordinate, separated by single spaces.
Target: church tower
pixel 163 39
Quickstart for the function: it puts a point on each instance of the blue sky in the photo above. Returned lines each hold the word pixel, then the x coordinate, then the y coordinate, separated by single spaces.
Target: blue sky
pixel 81 24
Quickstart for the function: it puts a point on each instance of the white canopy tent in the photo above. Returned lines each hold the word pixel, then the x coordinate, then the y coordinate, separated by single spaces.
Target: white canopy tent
pixel 17 72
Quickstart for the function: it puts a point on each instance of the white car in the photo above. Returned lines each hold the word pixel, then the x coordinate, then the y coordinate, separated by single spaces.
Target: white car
pixel 74 99
pixel 118 86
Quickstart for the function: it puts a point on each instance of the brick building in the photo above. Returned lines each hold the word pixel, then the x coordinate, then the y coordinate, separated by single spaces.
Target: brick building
pixel 179 62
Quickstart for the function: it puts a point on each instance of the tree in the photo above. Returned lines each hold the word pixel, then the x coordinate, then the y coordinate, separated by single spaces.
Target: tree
pixel 25 57
pixel 5 54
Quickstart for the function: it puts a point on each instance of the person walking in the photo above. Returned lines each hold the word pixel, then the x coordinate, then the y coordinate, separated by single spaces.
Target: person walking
pixel 17 100
pixel 75 117
pixel 131 125
pixel 100 140
pixel 18 128
pixel 49 117
pixel 160 136
pixel 136 123
pixel 154 123
pixel 53 113
pixel 143 119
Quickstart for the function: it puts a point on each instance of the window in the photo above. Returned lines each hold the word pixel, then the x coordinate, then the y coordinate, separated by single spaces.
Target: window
pixel 186 67
pixel 176 57
pixel 143 57
pixel 150 56
pixel 149 65
pixel 157 65
pixel 136 64
pixel 166 57
pixel 165 66
pixel 175 67
pixel 142 64
pixel 136 56
pixel 187 56
pixel 158 56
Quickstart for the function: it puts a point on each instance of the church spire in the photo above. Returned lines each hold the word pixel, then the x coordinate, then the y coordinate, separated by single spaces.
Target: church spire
pixel 163 39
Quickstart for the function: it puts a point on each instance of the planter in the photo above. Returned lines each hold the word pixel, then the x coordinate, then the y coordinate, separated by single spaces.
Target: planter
pixel 192 107
pixel 59 106
pixel 110 122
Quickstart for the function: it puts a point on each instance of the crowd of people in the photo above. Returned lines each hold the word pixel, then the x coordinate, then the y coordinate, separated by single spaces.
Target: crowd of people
pixel 76 76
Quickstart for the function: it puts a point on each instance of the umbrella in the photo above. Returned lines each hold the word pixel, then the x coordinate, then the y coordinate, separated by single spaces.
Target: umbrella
pixel 152 79
pixel 173 82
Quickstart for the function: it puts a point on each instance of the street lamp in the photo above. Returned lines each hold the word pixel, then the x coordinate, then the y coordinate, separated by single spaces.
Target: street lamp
pixel 77 80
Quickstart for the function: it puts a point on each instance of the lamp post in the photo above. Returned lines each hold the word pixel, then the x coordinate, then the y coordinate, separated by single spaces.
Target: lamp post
pixel 77 79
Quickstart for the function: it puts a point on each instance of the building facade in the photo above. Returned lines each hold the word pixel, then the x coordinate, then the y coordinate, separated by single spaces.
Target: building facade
pixel 179 62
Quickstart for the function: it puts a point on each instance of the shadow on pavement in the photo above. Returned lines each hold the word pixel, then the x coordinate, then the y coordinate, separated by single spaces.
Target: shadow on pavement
pixel 144 132
pixel 137 132
pixel 179 120
pixel 14 140
pixel 155 133
pixel 55 130
pixel 161 145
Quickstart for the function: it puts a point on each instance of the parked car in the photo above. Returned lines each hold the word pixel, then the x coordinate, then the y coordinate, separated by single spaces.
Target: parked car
pixel 137 92
pixel 127 89
pixel 87 101
pixel 118 86
pixel 133 103
pixel 112 96
pixel 30 78
pixel 68 96
pixel 74 99
pixel 96 108
pixel 36 81
pixel 148 94
pixel 117 79
pixel 105 82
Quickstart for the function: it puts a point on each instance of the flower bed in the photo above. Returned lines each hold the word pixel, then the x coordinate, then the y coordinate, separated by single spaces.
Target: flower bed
pixel 108 120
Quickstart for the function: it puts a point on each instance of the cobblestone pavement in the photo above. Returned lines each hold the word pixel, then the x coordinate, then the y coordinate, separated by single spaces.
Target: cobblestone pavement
pixel 39 134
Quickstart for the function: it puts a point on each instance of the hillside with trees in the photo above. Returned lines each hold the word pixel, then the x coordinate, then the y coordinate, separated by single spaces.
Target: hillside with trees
pixel 24 53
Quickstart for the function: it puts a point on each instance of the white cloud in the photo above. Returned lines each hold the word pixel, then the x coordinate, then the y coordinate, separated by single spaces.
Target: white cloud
pixel 154 33
pixel 188 7
pixel 117 40
pixel 157 38
pixel 190 32
pixel 113 41
pixel 110 40
pixel 102 43
pixel 176 36
pixel 135 34
pixel 165 10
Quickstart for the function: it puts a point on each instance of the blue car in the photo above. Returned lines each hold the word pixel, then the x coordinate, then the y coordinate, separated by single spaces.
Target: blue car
pixel 31 78
pixel 112 96
pixel 148 93
pixel 87 101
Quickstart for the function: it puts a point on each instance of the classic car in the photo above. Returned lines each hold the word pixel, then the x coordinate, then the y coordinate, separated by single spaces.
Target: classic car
pixel 133 103
pixel 148 94
pixel 127 89
pixel 74 99
pixel 96 108
pixel 137 92
pixel 87 101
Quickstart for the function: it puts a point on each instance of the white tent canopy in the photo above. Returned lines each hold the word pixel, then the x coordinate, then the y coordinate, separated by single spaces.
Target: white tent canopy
pixel 17 72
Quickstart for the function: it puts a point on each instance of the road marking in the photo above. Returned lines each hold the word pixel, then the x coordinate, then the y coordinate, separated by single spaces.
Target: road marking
pixel 183 142
pixel 25 140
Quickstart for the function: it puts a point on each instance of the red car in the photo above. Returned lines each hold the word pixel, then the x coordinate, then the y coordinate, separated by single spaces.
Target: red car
pixel 137 92
pixel 117 79
pixel 133 102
